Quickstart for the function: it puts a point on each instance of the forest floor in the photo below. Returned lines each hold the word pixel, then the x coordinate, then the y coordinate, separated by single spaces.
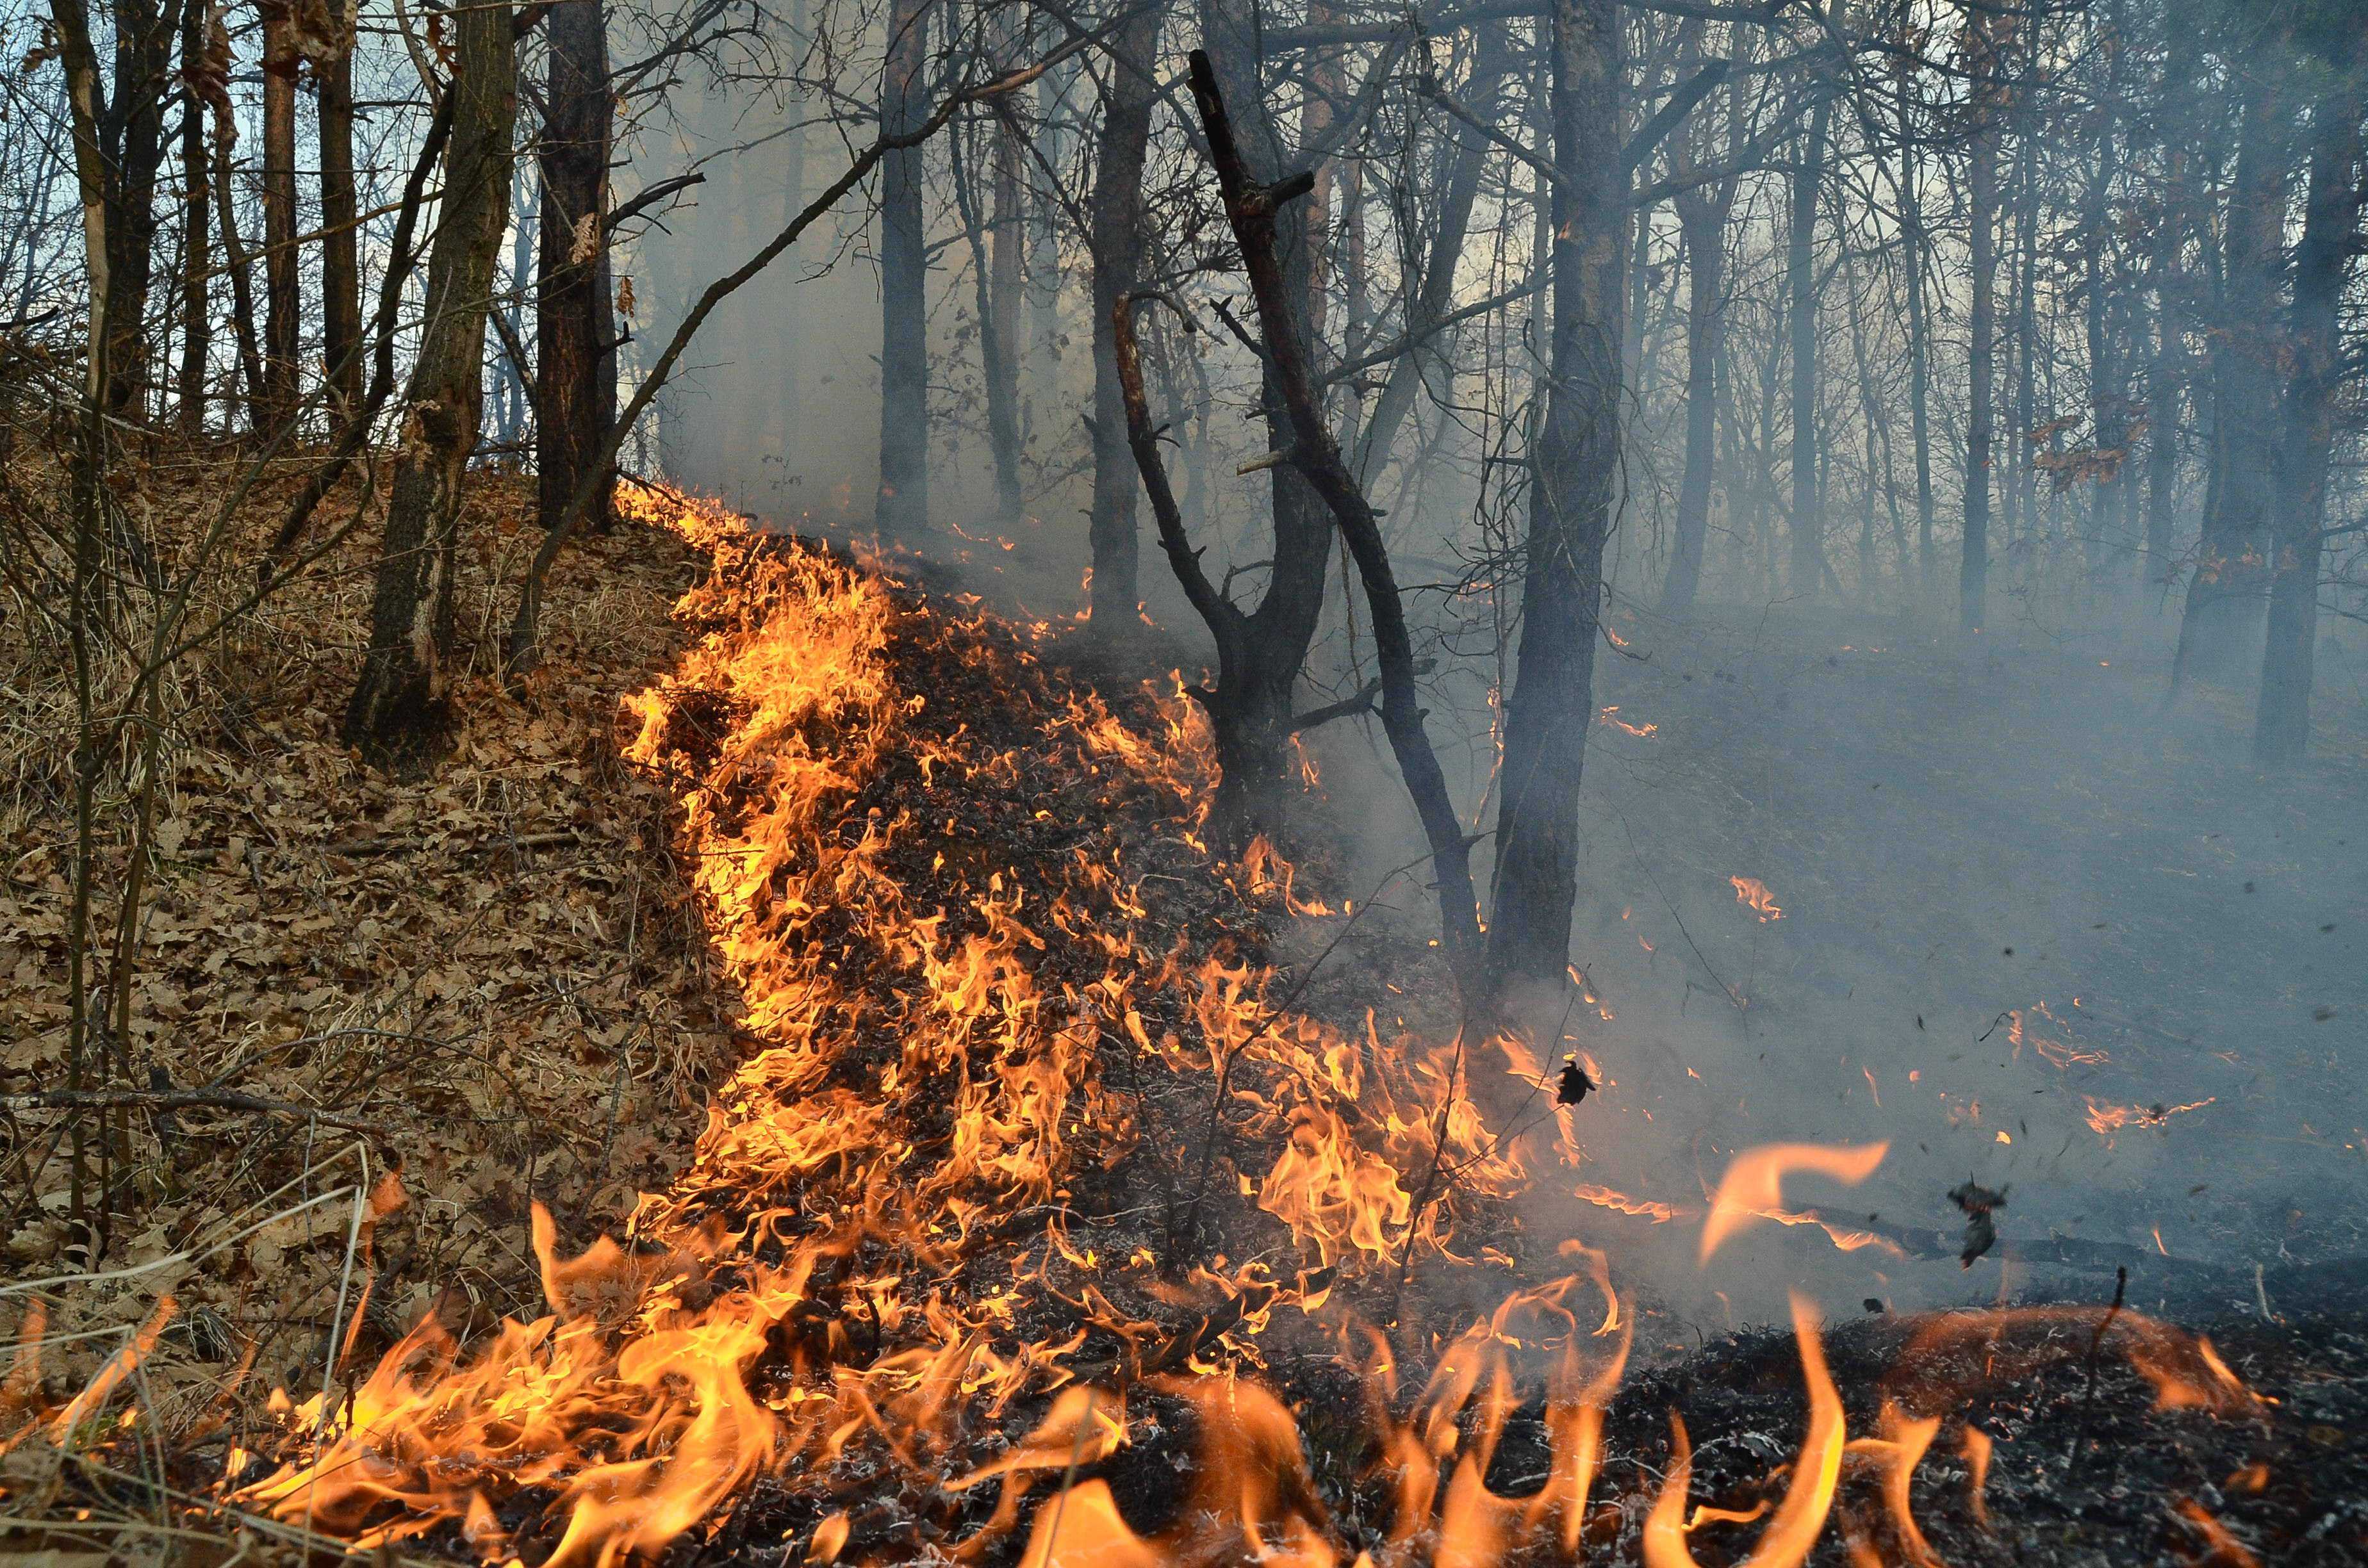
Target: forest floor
pixel 487 984
pixel 506 972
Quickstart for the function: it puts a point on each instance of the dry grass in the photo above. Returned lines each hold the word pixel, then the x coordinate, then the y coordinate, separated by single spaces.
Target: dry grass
pixel 486 979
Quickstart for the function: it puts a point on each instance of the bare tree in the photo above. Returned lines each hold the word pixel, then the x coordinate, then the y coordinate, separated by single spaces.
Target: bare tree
pixel 398 704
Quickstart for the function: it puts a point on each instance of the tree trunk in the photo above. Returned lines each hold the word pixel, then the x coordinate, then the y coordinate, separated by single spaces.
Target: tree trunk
pixel 2018 482
pixel 1702 223
pixel 999 333
pixel 902 511
pixel 242 279
pixel 1116 218
pixel 1251 210
pixel 1552 703
pixel 2223 596
pixel 2321 268
pixel 1973 568
pixel 1919 364
pixel 341 278
pixel 282 291
pixel 2109 411
pixel 2162 382
pixel 571 321
pixel 1255 731
pixel 196 224
pixel 1436 293
pixel 398 708
pixel 1805 579
pixel 132 135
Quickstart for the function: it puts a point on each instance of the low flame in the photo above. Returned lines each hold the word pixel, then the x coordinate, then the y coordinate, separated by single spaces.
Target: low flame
pixel 1753 893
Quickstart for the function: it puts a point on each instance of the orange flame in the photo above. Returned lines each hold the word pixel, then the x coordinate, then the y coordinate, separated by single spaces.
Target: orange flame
pixel 1753 1188
pixel 1807 1500
pixel 1753 892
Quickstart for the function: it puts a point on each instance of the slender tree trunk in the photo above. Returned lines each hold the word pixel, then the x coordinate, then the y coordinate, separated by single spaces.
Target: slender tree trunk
pixel 2225 596
pixel 1043 393
pixel 1254 723
pixel 133 138
pixel 1552 703
pixel 2018 482
pixel 572 359
pixel 196 224
pixel 242 280
pixel 2165 369
pixel 2109 409
pixel 283 301
pixel 1974 569
pixel 1117 247
pixel 1807 576
pixel 902 511
pixel 398 708
pixel 1919 364
pixel 999 333
pixel 2163 380
pixel 1703 222
pixel 341 278
pixel 1251 210
pixel 2322 266
pixel 1436 292
pixel 788 314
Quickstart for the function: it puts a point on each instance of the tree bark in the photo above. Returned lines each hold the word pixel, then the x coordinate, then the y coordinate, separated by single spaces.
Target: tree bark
pixel 1254 728
pixel 398 705
pixel 1805 577
pixel 2322 266
pixel 1919 364
pixel 236 264
pixel 341 279
pixel 1551 706
pixel 1703 227
pixel 1982 198
pixel 903 510
pixel 283 301
pixel 2224 595
pixel 999 333
pixel 132 133
pixel 1251 210
pixel 1116 222
pixel 572 357
pixel 196 224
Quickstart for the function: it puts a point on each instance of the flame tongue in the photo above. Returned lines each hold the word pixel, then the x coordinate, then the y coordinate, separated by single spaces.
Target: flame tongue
pixel 1802 1515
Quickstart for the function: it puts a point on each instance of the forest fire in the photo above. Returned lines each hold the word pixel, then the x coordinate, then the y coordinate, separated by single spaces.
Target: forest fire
pixel 897 1290
pixel 912 783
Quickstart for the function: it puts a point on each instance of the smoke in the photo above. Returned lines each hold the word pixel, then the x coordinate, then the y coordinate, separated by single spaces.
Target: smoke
pixel 2022 925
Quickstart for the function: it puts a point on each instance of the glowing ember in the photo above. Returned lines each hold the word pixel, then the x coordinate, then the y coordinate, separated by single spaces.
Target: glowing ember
pixel 2107 1120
